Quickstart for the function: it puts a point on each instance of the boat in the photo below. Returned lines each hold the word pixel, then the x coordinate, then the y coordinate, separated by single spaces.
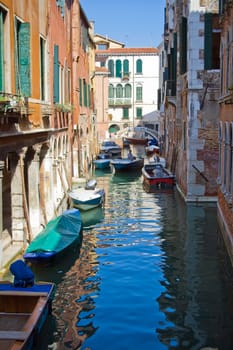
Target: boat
pixel 24 307
pixel 151 150
pixel 126 164
pixel 136 140
pixel 102 161
pixel 156 176
pixel 88 197
pixel 59 234
pixel 110 147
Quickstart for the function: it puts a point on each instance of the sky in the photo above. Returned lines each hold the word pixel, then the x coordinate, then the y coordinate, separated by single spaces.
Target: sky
pixel 134 23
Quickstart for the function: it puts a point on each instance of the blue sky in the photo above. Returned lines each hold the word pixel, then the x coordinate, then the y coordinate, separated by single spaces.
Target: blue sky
pixel 135 23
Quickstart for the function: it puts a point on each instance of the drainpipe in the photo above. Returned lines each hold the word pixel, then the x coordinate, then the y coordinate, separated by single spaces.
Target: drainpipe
pixel 1 212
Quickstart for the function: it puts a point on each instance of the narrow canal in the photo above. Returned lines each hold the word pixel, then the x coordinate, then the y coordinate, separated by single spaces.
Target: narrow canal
pixel 151 273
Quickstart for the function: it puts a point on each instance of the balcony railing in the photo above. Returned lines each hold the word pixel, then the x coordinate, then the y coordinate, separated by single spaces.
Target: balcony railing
pixel 119 102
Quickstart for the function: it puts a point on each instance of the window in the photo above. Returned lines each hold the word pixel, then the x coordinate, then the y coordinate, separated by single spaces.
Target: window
pixel 80 92
pixel 56 77
pixel 118 69
pixel 128 90
pixel 119 91
pixel 212 41
pixel 125 113
pixel 125 67
pixel 139 93
pixel 22 58
pixel 111 91
pixel 42 69
pixel 139 66
pixel 183 45
pixel 85 92
pixel 111 68
pixel 139 113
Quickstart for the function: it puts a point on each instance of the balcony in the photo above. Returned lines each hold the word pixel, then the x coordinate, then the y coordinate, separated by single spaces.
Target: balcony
pixel 13 110
pixel 119 102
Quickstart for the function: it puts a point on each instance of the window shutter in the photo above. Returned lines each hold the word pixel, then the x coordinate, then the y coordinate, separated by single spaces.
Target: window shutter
pixel 24 59
pixel 208 41
pixel 183 45
pixel 139 66
pixel 56 79
pixel 80 92
pixel 118 69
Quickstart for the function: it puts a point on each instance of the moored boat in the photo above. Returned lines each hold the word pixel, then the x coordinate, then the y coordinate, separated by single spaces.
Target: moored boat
pixel 102 161
pixel 88 197
pixel 24 307
pixel 56 237
pixel 134 140
pixel 126 164
pixel 156 176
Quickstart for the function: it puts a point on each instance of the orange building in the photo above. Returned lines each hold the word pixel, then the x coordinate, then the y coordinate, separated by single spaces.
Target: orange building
pixel 45 112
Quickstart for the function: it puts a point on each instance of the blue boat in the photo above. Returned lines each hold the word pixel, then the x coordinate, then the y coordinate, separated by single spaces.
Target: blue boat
pixel 126 164
pixel 24 307
pixel 102 161
pixel 59 234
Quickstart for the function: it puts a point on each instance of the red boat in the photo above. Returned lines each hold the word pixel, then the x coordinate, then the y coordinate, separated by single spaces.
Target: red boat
pixel 156 176
pixel 136 141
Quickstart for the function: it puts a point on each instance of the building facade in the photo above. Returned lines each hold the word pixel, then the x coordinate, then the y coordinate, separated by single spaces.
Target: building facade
pixel 133 80
pixel 189 96
pixel 225 174
pixel 45 112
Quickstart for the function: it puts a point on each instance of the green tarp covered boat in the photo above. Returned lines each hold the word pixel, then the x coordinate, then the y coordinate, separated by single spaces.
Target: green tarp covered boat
pixel 57 236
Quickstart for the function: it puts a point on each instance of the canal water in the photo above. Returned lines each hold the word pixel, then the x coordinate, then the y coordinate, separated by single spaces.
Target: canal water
pixel 152 273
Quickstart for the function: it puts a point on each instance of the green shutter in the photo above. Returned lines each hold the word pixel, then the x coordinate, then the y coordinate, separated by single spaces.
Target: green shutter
pixel 118 68
pixel 1 52
pixel 56 78
pixel 208 41
pixel 80 92
pixel 24 59
pixel 85 92
pixel 126 67
pixel 139 66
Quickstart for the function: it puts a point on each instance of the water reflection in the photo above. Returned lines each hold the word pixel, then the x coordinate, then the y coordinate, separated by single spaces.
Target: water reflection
pixel 153 272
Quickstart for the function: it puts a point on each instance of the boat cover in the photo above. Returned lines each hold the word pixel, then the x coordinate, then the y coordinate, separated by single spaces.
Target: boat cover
pixel 58 233
pixel 23 275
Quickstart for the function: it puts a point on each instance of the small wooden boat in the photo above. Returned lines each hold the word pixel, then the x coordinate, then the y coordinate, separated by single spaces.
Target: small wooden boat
pixel 23 311
pixel 59 234
pixel 102 161
pixel 156 176
pixel 88 197
pixel 126 164
pixel 136 140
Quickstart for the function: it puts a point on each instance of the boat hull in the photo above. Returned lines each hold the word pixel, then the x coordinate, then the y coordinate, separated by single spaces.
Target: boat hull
pixel 58 235
pixel 87 199
pixel 23 311
pixel 125 164
pixel 102 163
pixel 136 141
pixel 156 176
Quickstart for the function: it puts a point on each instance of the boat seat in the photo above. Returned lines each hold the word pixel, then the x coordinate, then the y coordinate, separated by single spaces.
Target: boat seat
pixel 16 335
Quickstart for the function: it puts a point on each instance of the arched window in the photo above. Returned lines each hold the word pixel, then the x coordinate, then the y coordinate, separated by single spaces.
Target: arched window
pixel 111 68
pixel 118 69
pixel 126 67
pixel 139 93
pixel 128 90
pixel 119 91
pixel 111 91
pixel 139 66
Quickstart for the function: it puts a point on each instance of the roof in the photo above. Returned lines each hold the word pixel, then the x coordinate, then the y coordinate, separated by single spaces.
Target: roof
pixel 129 51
